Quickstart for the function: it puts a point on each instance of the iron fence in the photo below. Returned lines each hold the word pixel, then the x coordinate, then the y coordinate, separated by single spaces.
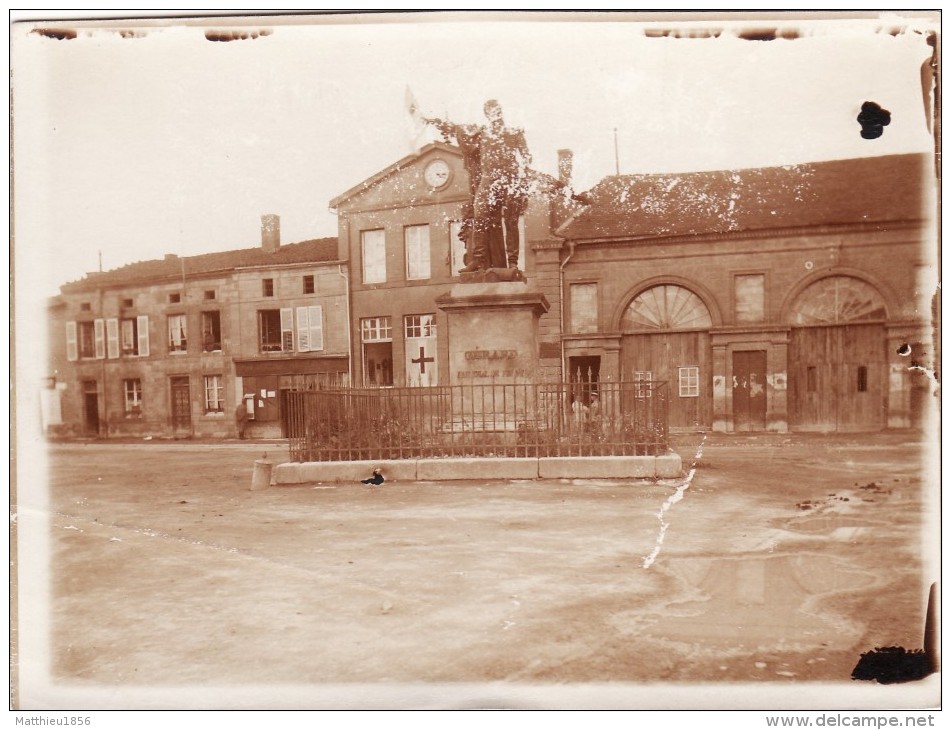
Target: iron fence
pixel 496 419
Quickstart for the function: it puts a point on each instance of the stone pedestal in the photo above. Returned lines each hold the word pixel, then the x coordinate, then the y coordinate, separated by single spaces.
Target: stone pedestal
pixel 493 349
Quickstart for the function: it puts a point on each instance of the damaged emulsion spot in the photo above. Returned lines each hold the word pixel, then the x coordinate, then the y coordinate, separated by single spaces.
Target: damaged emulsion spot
pixel 768 34
pixel 223 36
pixel 58 34
pixel 873 119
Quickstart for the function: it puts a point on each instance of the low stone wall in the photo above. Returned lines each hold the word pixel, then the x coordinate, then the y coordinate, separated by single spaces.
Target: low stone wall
pixel 668 466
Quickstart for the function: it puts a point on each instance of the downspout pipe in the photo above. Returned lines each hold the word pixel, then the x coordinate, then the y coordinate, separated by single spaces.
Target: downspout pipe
pixel 346 287
pixel 561 308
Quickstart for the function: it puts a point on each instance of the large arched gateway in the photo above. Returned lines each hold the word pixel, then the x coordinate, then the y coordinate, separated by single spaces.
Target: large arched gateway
pixel 838 363
pixel 666 337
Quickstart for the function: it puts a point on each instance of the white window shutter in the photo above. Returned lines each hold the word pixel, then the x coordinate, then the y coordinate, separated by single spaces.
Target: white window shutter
pixel 142 324
pixel 287 329
pixel 316 328
pixel 100 332
pixel 303 330
pixel 112 338
pixel 72 348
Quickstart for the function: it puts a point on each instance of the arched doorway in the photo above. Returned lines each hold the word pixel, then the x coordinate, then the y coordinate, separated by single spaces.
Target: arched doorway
pixel 666 337
pixel 838 362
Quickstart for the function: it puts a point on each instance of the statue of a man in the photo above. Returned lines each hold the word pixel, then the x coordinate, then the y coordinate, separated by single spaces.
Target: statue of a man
pixel 497 160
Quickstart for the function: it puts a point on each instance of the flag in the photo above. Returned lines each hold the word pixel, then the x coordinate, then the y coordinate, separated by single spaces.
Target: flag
pixel 412 106
pixel 417 125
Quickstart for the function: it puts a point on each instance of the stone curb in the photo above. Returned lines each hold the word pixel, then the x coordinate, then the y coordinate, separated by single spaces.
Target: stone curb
pixel 565 467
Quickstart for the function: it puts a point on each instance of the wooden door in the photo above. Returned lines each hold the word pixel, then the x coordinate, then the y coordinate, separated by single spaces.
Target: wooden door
pixel 838 378
pixel 683 361
pixel 181 403
pixel 91 407
pixel 749 391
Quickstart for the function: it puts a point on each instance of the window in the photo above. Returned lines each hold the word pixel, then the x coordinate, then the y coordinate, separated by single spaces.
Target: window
pixel 174 298
pixel 811 380
pixel 214 394
pixel 85 307
pixel 87 339
pixel 133 397
pixel 419 325
pixel 276 330
pixel 267 287
pixel 666 307
pixel 210 294
pixel 689 379
pixel 376 329
pixel 584 308
pixel 416 239
pixel 861 377
pixel 177 334
pixel 377 336
pixel 419 331
pixel 749 298
pixel 643 383
pixel 128 303
pixel 129 336
pixel 310 329
pixel 211 331
pixel 374 256
pixel 309 284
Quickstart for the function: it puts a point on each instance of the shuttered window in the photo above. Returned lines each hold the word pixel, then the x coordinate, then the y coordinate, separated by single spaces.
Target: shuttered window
pixel 310 332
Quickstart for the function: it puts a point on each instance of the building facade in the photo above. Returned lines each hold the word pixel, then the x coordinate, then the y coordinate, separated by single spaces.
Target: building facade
pixel 170 348
pixel 794 298
pixel 400 232
pixel 775 299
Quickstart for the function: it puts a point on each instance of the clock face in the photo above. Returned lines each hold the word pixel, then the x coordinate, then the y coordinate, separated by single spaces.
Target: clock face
pixel 437 174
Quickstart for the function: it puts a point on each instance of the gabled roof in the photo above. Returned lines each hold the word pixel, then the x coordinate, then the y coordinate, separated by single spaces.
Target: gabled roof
pixel 871 189
pixel 396 167
pixel 172 267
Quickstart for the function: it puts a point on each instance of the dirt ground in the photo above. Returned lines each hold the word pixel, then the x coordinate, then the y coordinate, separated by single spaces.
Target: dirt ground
pixel 781 559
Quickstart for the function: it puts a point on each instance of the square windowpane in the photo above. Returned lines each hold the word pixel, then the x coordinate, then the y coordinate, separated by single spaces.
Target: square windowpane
pixel 689 381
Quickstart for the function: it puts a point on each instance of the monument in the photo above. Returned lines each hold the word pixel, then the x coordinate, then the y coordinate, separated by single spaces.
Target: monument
pixel 493 313
pixel 496 158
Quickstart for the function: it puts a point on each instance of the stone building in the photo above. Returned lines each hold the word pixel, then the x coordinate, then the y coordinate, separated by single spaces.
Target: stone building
pixel 793 297
pixel 171 347
pixel 399 231
pixel 774 299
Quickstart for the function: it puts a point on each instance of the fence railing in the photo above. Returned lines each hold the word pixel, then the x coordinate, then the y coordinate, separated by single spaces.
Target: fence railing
pixel 498 419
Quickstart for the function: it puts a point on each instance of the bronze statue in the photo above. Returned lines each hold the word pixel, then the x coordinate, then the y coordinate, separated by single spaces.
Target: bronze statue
pixel 497 160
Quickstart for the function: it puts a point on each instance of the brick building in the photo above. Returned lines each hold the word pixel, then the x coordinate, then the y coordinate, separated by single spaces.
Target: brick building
pixel 170 347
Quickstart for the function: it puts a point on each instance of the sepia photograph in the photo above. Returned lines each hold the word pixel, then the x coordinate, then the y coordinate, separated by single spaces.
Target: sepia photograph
pixel 464 360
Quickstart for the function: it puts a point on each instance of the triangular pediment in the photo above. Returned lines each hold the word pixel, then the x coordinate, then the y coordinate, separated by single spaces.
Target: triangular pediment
pixel 404 183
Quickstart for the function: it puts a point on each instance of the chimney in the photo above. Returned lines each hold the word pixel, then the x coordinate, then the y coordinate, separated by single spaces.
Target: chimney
pixel 270 232
pixel 565 163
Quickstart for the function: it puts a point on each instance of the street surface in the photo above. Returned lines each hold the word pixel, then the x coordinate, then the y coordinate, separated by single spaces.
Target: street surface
pixel 779 559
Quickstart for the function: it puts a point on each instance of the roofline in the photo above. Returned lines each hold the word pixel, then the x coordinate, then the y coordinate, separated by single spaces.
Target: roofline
pixel 194 276
pixel 301 264
pixel 394 168
pixel 822 228
pixel 645 176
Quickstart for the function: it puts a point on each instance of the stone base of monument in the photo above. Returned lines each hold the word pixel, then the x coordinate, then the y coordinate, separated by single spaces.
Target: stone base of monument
pixel 628 468
pixel 492 330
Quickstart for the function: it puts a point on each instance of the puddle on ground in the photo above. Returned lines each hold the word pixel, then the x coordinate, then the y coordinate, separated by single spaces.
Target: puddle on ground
pixel 827 523
pixel 760 603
